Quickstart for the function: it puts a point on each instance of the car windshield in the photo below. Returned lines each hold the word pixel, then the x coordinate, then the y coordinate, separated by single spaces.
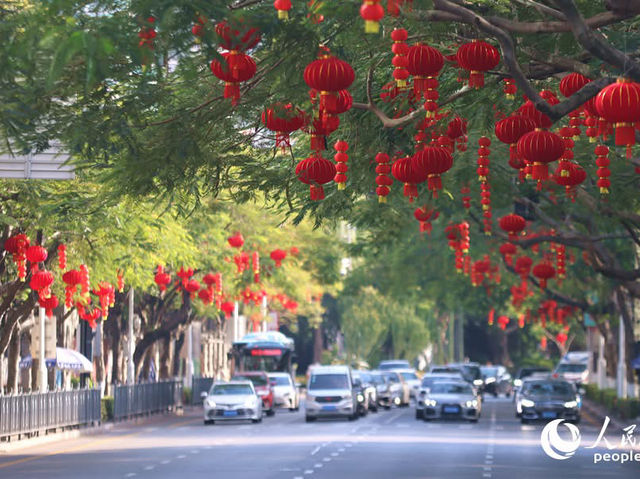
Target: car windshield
pixel 428 381
pixel 571 368
pixel 377 379
pixel 409 375
pixel 256 380
pixel 444 369
pixel 230 389
pixel 450 388
pixel 471 372
pixel 329 381
pixel 489 372
pixel 544 388
pixel 366 378
pixel 393 377
pixel 394 364
pixel 281 380
pixel 526 372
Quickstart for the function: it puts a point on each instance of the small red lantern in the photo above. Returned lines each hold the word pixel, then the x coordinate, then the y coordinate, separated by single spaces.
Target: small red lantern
pixel 228 308
pixel 400 61
pixel 507 250
pixel 316 171
pixel 36 254
pixel 49 304
pixel 198 28
pixel 235 68
pixel 523 267
pixel 465 191
pixel 403 170
pixel 341 159
pixel 237 37
pixel 283 120
pixel 278 255
pixel 236 240
pixel 192 286
pixel 503 321
pixel 383 180
pixel 510 89
pixel 511 129
pixel 574 177
pixel 540 147
pixel 512 224
pixel 41 282
pixel 62 257
pixel 283 7
pixel 477 57
pixel 544 272
pixel 602 162
pixel 206 296
pixel 619 103
pixel 371 12
pixel 425 215
pixel 162 279
pixel 120 280
pixel 483 158
pixel 17 246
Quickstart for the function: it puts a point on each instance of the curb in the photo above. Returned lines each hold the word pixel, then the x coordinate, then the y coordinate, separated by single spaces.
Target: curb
pixel 600 413
pixel 10 446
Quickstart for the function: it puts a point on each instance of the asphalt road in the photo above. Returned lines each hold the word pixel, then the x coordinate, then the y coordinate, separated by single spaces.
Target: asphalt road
pixel 389 444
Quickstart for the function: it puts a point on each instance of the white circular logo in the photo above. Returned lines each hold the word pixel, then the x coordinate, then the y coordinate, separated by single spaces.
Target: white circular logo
pixel 554 446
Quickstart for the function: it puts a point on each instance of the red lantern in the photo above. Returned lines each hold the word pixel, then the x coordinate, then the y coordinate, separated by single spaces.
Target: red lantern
pixel 49 304
pixel 278 255
pixel 540 147
pixel 544 272
pixel 571 83
pixel 62 257
pixel 41 282
pixel 510 89
pixel 162 279
pixel 457 128
pixel 523 267
pixel 403 170
pixel 371 12
pixel 120 281
pixel 383 180
pixel 503 321
pixel 198 28
pixel 17 246
pixel 602 162
pixel 192 286
pixel 512 224
pixel 283 120
pixel 400 61
pixel 477 57
pixel 328 75
pixel 465 191
pixel 434 161
pixel 425 63
pixel 72 279
pixel 36 254
pixel 619 103
pixel 237 37
pixel 507 250
pixel 283 7
pixel 576 175
pixel 235 68
pixel 341 159
pixel 316 171
pixel 236 240
pixel 511 129
pixel 206 296
pixel 227 308
pixel 483 158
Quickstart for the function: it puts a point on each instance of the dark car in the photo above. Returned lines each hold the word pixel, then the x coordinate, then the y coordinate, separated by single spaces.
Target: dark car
pixel 472 374
pixel 497 380
pixel 263 387
pixel 383 389
pixel 549 399
pixel 524 373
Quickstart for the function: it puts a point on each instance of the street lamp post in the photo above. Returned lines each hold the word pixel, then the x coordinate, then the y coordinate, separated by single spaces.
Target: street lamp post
pixel 42 367
pixel 131 345
pixel 622 367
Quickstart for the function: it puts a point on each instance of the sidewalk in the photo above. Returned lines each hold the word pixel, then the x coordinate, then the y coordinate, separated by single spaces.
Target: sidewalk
pixel 7 447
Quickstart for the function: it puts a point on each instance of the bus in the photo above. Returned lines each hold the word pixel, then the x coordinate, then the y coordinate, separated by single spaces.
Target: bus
pixel 267 351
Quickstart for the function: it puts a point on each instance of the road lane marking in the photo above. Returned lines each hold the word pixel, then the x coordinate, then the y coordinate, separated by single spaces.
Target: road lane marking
pixel 341 449
pixel 149 468
pixel 165 462
pixel 318 466
pixel 85 445
pixel 309 471
pixel 131 474
pixel 181 456
pixel 327 459
pixel 315 451
pixel 334 454
pixel 486 468
pixel 486 474
pixel 195 451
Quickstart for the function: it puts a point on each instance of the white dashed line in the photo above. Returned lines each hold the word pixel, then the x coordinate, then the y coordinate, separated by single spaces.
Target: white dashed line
pixel 181 456
pixel 308 471
pixel 334 454
pixel 317 466
pixel 341 449
pixel 486 474
pixel 149 468
pixel 327 459
pixel 131 474
pixel 195 451
pixel 166 461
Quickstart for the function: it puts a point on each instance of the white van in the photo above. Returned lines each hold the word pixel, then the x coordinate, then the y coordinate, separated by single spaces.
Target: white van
pixel 574 367
pixel 330 393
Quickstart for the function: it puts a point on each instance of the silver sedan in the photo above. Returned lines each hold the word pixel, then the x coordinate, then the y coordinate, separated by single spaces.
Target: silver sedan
pixel 452 400
pixel 231 401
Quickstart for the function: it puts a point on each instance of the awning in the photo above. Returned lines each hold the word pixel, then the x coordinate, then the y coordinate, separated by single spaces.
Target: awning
pixel 65 359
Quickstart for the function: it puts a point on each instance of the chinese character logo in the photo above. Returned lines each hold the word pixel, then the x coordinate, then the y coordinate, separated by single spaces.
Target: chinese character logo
pixel 554 446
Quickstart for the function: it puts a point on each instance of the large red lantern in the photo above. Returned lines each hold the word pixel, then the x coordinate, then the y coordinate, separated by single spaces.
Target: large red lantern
pixel 283 120
pixel 539 148
pixel 619 103
pixel 41 282
pixel 278 255
pixel 544 272
pixel 227 308
pixel 192 286
pixel 434 161
pixel 235 68
pixel 36 254
pixel 512 224
pixel 316 171
pixel 425 215
pixel 511 129
pixel 477 57
pixel 530 111
pixel 404 171
pixel 371 12
pixel 571 83
pixel 49 304
pixel 328 75
pixel 425 63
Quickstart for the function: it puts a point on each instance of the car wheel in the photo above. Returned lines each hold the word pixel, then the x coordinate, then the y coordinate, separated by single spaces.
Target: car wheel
pixel 256 421
pixel 310 418
pixel 576 420
pixel 524 421
pixel 387 407
pixel 292 409
pixel 271 412
pixel 374 408
pixel 475 420
pixel 507 395
pixel 419 414
pixel 208 422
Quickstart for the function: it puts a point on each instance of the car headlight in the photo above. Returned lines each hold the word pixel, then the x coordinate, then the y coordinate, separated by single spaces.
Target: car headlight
pixel 527 403
pixel 430 402
pixel 211 403
pixel 571 404
pixel 360 397
pixel 490 380
pixel 477 382
pixel 517 382
pixel 472 403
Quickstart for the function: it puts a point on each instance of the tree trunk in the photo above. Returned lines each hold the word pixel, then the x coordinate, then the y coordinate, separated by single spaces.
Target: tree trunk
pixel 177 347
pixel 14 362
pixel 317 344
pixel 165 359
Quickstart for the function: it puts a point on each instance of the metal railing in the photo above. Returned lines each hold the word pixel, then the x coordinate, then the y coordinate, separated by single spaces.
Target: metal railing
pixel 32 413
pixel 198 386
pixel 146 398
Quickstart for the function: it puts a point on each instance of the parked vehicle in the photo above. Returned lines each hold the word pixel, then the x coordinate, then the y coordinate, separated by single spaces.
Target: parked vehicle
pixel 497 380
pixel 452 400
pixel 390 364
pixel 285 392
pixel 383 389
pixel 231 401
pixel 400 390
pixel 549 399
pixel 412 379
pixel 330 393
pixel 262 386
pixel 425 387
pixel 369 389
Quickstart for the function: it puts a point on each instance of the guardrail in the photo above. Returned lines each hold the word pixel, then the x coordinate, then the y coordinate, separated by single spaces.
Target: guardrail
pixel 29 414
pixel 198 386
pixel 146 398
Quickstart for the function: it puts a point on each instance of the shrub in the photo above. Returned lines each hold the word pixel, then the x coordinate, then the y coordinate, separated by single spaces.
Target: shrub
pixel 186 395
pixel 106 408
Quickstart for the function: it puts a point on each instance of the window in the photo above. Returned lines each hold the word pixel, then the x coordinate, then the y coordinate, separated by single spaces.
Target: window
pixel 281 380
pixel 571 368
pixel 450 388
pixel 409 376
pixel 329 381
pixel 231 389
pixel 256 380
pixel 549 388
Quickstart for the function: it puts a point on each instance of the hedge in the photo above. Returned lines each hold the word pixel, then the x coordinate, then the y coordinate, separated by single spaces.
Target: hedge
pixel 624 408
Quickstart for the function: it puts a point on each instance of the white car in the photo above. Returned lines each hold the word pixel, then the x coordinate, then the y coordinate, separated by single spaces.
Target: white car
pixel 231 401
pixel 425 386
pixel 411 378
pixel 330 393
pixel 285 392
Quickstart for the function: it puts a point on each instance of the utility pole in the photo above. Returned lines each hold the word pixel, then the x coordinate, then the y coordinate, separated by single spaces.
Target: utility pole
pixel 622 367
pixel 42 367
pixel 189 372
pixel 459 338
pixel 131 346
pixel 602 363
pixel 452 337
